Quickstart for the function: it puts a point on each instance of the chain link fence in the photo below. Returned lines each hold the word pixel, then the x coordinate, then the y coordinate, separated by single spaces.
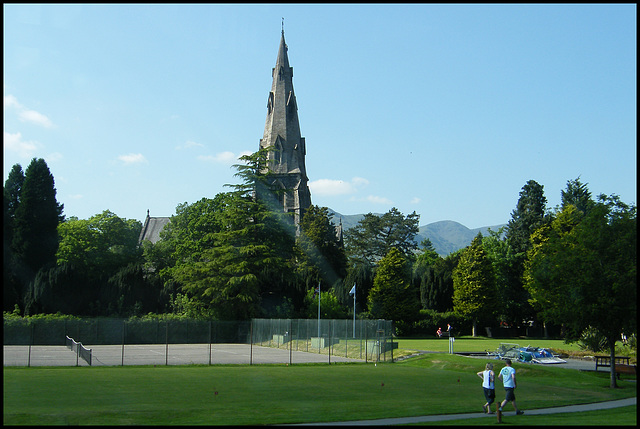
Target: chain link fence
pixel 367 340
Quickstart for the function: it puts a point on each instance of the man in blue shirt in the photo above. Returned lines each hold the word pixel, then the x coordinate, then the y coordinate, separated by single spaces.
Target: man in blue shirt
pixel 508 376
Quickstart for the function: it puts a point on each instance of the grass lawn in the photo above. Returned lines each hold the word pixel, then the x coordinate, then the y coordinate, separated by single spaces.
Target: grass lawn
pixel 480 344
pixel 277 394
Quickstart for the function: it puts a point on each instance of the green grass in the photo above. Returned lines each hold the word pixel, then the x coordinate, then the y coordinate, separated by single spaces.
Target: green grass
pixel 277 394
pixel 480 344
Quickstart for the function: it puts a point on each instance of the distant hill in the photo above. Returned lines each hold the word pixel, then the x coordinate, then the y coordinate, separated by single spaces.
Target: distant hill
pixel 447 236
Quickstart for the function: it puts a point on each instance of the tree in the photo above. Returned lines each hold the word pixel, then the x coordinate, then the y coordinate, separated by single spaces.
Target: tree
pixel 527 217
pixel 514 305
pixel 12 285
pixel 581 271
pixel 577 194
pixel 424 274
pixel 474 290
pixel 530 214
pixel 37 216
pixel 374 236
pixel 393 297
pixel 102 244
pixel 330 306
pixel 320 253
pixel 249 257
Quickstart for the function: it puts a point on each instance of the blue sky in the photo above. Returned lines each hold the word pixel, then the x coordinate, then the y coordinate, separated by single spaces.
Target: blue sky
pixel 445 110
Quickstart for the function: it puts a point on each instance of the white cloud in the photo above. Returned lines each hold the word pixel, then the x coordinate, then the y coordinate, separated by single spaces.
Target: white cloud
pixel 330 187
pixel 226 157
pixel 26 115
pixel 11 101
pixel 188 145
pixel 415 200
pixel 379 200
pixel 35 118
pixel 133 158
pixel 14 143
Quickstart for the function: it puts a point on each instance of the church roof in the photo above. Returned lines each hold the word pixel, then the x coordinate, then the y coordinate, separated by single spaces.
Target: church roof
pixel 152 227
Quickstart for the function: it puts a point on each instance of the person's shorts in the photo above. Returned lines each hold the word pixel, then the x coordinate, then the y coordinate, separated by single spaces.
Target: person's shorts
pixel 510 394
pixel 489 395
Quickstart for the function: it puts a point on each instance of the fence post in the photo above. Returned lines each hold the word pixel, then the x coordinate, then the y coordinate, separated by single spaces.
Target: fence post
pixel 124 327
pixel 30 342
pixel 166 340
pixel 209 342
pixel 290 341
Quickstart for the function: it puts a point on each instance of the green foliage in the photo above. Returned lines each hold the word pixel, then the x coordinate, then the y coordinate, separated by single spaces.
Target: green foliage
pixel 527 217
pixel 190 308
pixel 330 306
pixel 246 255
pixel 393 297
pixel 102 244
pixel 591 339
pixel 515 308
pixel 578 195
pixel 320 255
pixel 36 219
pixel 474 288
pixel 432 274
pixel 581 270
pixel 375 236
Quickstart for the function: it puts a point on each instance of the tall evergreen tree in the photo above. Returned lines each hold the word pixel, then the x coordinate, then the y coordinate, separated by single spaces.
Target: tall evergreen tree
pixel 13 286
pixel 249 259
pixel 321 256
pixel 577 194
pixel 12 187
pixel 527 217
pixel 37 217
pixel 474 287
pixel 393 297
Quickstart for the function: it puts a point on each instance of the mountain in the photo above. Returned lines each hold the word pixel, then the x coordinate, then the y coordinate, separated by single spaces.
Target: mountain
pixel 447 236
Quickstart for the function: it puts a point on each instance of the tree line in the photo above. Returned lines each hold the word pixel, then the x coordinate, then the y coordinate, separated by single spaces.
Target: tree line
pixel 236 256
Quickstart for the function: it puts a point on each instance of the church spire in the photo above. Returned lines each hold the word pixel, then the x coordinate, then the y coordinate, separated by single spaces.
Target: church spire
pixel 282 131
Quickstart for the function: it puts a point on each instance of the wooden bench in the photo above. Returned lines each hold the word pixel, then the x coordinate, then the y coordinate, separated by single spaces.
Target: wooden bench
pixel 605 361
pixel 624 369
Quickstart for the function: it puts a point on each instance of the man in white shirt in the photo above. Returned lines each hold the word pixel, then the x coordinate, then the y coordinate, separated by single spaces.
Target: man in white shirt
pixel 508 376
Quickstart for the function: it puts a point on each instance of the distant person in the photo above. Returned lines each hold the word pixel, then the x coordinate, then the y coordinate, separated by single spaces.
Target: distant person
pixel 508 376
pixel 439 332
pixel 449 329
pixel 488 386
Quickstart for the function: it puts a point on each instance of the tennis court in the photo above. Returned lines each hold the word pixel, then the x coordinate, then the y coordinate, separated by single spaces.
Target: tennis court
pixel 163 354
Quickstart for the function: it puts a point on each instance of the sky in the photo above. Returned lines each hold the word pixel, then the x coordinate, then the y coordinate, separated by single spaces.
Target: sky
pixel 445 110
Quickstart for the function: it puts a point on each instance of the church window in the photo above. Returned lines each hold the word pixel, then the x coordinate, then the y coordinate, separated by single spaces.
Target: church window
pixel 270 103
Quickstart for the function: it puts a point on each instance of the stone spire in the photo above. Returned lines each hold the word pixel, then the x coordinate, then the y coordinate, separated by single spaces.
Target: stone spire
pixel 282 131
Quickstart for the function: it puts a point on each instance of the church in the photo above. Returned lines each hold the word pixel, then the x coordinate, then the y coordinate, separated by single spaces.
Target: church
pixel 286 162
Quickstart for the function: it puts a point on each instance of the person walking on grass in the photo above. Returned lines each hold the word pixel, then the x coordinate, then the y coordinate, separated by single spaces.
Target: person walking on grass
pixel 488 386
pixel 508 376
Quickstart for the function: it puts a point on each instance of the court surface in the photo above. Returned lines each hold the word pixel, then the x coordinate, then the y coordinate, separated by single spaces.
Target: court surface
pixel 161 354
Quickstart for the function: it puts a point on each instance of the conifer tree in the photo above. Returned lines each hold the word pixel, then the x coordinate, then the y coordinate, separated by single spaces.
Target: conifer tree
pixel 474 286
pixel 37 216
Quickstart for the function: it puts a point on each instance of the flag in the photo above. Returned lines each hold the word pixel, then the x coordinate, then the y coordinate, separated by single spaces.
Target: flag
pixel 353 290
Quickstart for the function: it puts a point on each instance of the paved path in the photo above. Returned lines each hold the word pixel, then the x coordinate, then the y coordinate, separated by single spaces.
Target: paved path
pixel 440 418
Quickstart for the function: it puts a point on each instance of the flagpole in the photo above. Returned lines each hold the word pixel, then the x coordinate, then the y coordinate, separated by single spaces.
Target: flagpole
pixel 354 315
pixel 318 312
pixel 354 309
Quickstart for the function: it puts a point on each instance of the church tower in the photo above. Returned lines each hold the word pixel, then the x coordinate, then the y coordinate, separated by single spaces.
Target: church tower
pixel 282 131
